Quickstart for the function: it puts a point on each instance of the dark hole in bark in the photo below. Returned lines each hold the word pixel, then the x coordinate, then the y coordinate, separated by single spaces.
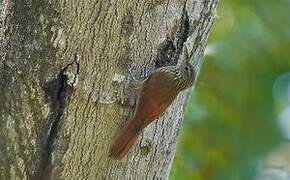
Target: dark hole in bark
pixel 58 91
pixel 169 50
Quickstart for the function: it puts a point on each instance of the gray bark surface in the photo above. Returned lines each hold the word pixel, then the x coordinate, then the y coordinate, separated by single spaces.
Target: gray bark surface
pixel 116 42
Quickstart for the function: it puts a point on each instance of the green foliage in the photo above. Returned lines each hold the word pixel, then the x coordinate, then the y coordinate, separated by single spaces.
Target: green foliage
pixel 231 117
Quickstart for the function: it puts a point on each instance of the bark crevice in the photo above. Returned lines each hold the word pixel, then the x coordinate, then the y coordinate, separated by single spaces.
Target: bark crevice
pixel 58 92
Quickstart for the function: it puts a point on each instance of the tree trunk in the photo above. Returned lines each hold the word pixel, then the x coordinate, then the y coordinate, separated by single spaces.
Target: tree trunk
pixel 55 127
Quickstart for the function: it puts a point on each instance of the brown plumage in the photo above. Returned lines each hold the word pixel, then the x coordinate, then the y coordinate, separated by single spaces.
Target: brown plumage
pixel 157 93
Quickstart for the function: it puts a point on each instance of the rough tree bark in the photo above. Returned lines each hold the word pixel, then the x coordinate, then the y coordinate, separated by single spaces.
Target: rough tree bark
pixel 52 130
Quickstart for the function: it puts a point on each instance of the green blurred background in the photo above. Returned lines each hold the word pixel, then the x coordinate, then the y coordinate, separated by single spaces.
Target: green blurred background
pixel 239 110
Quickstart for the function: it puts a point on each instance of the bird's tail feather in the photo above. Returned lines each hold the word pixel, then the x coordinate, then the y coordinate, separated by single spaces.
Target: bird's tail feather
pixel 125 139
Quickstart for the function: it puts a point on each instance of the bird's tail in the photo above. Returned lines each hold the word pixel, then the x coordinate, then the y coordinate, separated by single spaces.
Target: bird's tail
pixel 125 139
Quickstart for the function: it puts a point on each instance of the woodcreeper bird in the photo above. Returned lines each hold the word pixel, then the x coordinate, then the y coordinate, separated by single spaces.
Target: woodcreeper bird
pixel 156 94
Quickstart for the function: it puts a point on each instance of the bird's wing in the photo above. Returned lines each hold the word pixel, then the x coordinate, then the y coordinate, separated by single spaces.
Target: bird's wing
pixel 156 96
